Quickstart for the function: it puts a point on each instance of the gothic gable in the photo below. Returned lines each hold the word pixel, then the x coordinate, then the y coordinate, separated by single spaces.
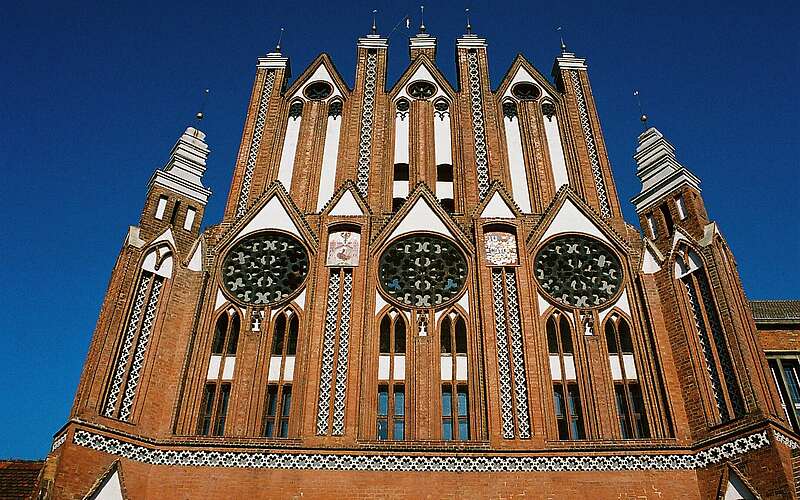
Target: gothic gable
pixel 320 69
pixel 497 204
pixel 422 68
pixel 522 70
pixel 346 201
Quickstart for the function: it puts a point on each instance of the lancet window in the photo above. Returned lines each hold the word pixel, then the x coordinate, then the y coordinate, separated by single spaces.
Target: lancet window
pixel 391 402
pixel 280 375
pixel 454 367
pixel 566 392
pixel 627 391
pixel 217 390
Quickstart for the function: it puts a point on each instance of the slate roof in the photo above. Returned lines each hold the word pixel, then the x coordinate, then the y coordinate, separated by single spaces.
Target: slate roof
pixel 18 478
pixel 776 311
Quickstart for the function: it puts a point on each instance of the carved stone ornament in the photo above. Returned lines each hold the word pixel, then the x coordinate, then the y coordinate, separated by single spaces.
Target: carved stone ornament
pixel 578 271
pixel 422 271
pixel 265 268
pixel 548 109
pixel 501 248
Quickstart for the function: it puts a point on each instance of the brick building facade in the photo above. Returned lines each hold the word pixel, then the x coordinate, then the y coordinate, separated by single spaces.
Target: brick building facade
pixel 422 289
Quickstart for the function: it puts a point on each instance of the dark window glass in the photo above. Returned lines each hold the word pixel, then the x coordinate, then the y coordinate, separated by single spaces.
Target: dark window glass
pixel 566 335
pixel 291 345
pixel 401 171
pixel 448 204
pixel 398 432
pixel 461 336
pixel 206 408
pixel 611 337
pixel 574 405
pixel 667 217
pixel 383 412
pixel 790 372
pixel 222 409
pixel 270 410
pixel 397 203
pixel 622 411
pixel 444 172
pixel 463 413
pixel 637 411
pixel 233 339
pixel 277 338
pixel 561 415
pixel 552 338
pixel 445 337
pixel 219 334
pixel 286 405
pixel 625 340
pixel 399 335
pixel 386 325
pixel 447 413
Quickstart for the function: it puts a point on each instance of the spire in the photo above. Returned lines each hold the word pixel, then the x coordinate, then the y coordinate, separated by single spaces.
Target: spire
pixel 469 25
pixel 658 169
pixel 275 59
pixel 422 19
pixel 278 45
pixel 183 172
pixel 560 31
pixel 642 116
pixel 199 116
pixel 374 30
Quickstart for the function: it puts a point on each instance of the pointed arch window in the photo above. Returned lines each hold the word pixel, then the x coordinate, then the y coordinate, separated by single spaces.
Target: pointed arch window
pixel 454 374
pixel 714 347
pixel 627 391
pixel 566 393
pixel 391 410
pixel 217 390
pixel 280 375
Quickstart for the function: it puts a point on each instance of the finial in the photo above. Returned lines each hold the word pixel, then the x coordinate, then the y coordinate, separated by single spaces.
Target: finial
pixel 560 30
pixel 278 45
pixel 422 19
pixel 374 23
pixel 469 25
pixel 200 114
pixel 642 116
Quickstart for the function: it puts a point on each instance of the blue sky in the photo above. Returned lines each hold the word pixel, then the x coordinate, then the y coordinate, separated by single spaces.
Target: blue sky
pixel 94 96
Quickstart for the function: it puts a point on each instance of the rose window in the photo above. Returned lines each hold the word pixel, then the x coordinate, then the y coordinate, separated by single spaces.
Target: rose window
pixel 265 268
pixel 578 271
pixel 422 271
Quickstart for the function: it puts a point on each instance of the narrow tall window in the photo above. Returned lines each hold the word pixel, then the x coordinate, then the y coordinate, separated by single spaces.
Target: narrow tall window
pixel 667 217
pixel 278 401
pixel 628 393
pixel 444 187
pixel 566 394
pixel 399 185
pixel 391 407
pixel 188 222
pixel 455 399
pixel 216 396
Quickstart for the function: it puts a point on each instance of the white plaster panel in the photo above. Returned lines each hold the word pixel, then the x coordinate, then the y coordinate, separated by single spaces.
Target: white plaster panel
pixel 555 367
pixel 461 367
pixel 649 263
pixel 165 236
pixel 444 189
pixel 447 367
pixel 441 137
pixel 190 214
pixel 347 205
pixel 162 206
pixel 110 490
pixel 399 189
pixel 543 304
pixel 401 137
pixel 421 217
pixel 383 367
pixel 273 215
pixel 464 302
pixel 227 371
pixel 301 299
pixel 621 303
pixel 380 303
pixel 497 208
pixel 616 369
pixel 556 150
pixel 630 366
pixel 399 367
pixel 422 73
pixel 516 165
pixel 330 152
pixel 289 149
pixel 522 75
pixel 221 300
pixel 570 219
pixel 196 262
pixel 165 269
pixel 321 73
pixel 213 367
pixel 288 369
pixel 274 369
pixel 569 367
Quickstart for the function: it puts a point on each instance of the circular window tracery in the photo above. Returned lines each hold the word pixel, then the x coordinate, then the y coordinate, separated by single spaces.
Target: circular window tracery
pixel 578 271
pixel 421 90
pixel 422 271
pixel 265 268
pixel 441 105
pixel 318 90
pixel 525 91
pixel 402 105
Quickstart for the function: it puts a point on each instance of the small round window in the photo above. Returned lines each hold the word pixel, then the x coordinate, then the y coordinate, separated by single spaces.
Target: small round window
pixel 402 105
pixel 525 91
pixel 421 90
pixel 318 90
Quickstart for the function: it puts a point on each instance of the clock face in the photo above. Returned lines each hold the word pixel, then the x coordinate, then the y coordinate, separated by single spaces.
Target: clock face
pixel 422 271
pixel 578 271
pixel 265 268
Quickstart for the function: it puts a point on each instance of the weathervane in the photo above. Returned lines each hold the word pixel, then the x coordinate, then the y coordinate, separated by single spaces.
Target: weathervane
pixel 200 114
pixel 560 30
pixel 642 116
pixel 278 45
pixel 469 25
pixel 374 22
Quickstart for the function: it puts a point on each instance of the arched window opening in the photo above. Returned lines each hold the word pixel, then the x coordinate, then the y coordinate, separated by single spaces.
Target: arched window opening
pixel 454 374
pixel 566 394
pixel 217 391
pixel 391 407
pixel 627 391
pixel 277 406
